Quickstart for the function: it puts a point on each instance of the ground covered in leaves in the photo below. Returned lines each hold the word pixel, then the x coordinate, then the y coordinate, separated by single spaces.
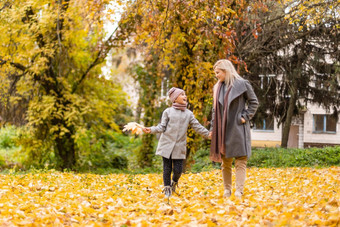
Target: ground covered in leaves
pixel 273 197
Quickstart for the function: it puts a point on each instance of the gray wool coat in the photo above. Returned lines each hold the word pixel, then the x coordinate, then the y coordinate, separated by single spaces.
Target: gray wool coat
pixel 174 126
pixel 237 136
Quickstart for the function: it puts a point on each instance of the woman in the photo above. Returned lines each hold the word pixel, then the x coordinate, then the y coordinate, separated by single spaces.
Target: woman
pixel 230 124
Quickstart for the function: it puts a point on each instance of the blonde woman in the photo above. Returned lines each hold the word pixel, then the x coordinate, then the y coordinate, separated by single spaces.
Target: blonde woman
pixel 230 124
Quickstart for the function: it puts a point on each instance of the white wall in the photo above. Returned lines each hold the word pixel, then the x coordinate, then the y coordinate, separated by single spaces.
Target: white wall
pixel 309 136
pixel 261 138
pixel 267 135
pixel 306 135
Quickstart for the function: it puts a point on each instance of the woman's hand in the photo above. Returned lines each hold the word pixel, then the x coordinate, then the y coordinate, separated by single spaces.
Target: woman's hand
pixel 242 120
pixel 147 130
pixel 210 135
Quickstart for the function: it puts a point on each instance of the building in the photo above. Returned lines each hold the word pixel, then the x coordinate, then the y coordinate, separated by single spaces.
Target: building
pixel 313 128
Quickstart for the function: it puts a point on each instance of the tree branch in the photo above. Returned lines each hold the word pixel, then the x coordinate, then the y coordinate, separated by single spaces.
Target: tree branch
pixel 16 65
pixel 2 62
pixel 101 55
pixel 7 4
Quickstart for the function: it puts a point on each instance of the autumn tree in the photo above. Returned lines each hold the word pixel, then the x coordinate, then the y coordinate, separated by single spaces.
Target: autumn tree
pixel 269 37
pixel 186 38
pixel 51 54
pixel 149 83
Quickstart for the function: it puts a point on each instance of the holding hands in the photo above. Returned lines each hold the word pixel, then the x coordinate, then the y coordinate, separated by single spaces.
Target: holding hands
pixel 242 120
pixel 147 130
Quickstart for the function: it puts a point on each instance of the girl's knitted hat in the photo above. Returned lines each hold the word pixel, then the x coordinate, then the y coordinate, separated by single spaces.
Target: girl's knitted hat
pixel 174 92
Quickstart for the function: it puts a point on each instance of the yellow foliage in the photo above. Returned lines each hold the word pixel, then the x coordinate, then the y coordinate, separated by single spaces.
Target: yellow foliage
pixel 180 42
pixel 273 197
pixel 311 12
pixel 52 53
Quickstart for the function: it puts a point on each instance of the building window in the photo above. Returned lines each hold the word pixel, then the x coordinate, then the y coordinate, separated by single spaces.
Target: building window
pixel 265 125
pixel 265 80
pixel 324 123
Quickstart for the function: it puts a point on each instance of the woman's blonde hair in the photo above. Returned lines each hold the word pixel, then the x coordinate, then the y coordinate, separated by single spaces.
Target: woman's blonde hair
pixel 226 66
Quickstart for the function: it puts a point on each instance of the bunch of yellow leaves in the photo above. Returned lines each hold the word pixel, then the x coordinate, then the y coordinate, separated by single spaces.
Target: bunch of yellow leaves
pixel 134 127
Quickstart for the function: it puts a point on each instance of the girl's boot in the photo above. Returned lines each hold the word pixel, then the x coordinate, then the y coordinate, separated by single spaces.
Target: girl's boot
pixel 174 185
pixel 167 192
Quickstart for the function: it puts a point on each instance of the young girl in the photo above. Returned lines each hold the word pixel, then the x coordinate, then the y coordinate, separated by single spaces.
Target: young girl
pixel 173 140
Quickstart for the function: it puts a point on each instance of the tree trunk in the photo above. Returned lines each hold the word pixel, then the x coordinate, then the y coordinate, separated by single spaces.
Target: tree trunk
pixel 138 111
pixel 290 113
pixel 146 151
pixel 66 151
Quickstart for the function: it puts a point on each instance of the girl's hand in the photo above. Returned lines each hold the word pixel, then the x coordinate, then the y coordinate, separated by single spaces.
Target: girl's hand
pixel 147 130
pixel 242 120
pixel 210 135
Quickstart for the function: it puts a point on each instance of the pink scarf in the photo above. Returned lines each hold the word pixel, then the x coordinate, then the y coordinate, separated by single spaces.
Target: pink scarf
pixel 179 106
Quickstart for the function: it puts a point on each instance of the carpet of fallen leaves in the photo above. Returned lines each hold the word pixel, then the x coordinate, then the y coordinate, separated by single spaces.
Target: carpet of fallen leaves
pixel 273 197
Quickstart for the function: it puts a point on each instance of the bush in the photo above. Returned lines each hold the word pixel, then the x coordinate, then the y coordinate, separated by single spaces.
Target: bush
pixel 100 151
pixel 2 163
pixel 277 157
pixel 34 152
pixel 280 157
pixel 7 137
pixel 9 148
pixel 202 161
pixel 119 162
pixel 104 152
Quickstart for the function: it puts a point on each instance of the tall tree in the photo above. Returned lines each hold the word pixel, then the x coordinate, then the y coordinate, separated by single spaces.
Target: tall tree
pixel 51 54
pixel 301 49
pixel 187 37
pixel 312 58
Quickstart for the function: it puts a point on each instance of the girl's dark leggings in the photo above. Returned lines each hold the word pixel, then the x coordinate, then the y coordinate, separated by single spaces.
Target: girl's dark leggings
pixel 175 165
